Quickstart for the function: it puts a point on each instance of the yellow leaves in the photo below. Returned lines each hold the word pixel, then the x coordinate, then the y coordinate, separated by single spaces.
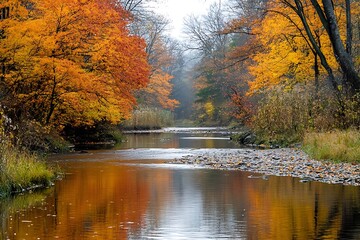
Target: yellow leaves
pixel 16 10
pixel 355 8
pixel 287 57
pixel 209 109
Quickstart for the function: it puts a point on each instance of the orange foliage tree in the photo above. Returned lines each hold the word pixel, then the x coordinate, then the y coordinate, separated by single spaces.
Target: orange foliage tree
pixel 157 94
pixel 70 62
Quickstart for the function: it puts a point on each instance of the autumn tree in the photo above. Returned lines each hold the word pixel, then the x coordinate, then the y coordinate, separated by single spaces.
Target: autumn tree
pixel 152 28
pixel 297 45
pixel 210 46
pixel 330 16
pixel 222 74
pixel 71 62
pixel 295 52
pixel 286 49
pixel 279 39
pixel 183 90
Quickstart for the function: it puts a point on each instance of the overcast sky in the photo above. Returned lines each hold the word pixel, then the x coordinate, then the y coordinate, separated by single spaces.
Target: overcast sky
pixel 177 10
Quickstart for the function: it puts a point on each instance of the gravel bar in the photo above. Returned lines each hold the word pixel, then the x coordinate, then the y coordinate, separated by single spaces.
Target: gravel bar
pixel 278 162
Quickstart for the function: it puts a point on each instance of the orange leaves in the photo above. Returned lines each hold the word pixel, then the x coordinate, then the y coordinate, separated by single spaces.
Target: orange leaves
pixel 73 62
pixel 241 107
pixel 158 91
pixel 159 55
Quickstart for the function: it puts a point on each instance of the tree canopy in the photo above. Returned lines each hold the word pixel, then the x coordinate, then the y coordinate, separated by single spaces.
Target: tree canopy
pixel 70 61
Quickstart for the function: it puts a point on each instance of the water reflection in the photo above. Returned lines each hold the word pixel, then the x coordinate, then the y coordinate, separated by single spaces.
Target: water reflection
pixel 12 212
pixel 306 211
pixel 179 140
pixel 126 193
pixel 104 200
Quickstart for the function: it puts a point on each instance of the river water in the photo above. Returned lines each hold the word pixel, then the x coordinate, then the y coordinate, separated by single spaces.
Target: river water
pixel 132 192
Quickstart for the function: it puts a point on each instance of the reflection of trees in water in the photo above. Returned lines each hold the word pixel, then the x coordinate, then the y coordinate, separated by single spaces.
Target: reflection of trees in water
pixel 118 202
pixel 281 208
pixel 285 208
pixel 100 200
pixel 350 225
pixel 11 208
pixel 341 215
pixel 228 201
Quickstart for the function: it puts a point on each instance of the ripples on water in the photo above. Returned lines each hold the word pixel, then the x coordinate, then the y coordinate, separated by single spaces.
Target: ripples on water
pixel 130 192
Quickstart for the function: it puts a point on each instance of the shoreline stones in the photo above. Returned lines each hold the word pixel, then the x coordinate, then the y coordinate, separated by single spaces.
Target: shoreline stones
pixel 277 162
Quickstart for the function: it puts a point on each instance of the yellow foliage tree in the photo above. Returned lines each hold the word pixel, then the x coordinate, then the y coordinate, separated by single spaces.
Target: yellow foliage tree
pixel 209 109
pixel 288 57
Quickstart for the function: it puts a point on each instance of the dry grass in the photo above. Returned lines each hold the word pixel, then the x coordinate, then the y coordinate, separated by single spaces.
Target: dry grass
pixel 339 146
pixel 20 170
pixel 149 118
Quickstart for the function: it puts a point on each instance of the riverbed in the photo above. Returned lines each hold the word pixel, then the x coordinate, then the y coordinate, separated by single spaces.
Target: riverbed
pixel 135 191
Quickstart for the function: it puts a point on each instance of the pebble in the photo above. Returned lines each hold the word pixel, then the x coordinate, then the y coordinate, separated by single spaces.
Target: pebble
pixel 278 162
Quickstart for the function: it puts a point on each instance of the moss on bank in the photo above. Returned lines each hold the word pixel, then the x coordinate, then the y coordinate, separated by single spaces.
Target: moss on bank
pixel 21 171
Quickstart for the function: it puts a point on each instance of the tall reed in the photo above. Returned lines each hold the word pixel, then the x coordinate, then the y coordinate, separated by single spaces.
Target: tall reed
pixel 145 118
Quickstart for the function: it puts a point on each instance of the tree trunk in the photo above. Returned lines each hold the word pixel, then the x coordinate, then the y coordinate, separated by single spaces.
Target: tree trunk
pixel 349 32
pixel 317 74
pixel 316 65
pixel 300 12
pixel 52 99
pixel 343 57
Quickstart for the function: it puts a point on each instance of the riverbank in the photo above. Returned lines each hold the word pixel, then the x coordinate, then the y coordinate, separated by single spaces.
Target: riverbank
pixel 277 162
pixel 22 171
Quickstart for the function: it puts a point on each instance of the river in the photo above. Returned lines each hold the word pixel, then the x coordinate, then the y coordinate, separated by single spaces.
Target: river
pixel 132 192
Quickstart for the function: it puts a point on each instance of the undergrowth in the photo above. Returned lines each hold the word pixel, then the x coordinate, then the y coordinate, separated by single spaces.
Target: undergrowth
pixel 21 170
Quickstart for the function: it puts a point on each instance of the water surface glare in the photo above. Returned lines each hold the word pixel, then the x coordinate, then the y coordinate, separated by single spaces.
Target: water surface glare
pixel 132 192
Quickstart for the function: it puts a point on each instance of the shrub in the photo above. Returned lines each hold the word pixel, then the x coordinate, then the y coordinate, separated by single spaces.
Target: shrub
pixel 19 170
pixel 350 114
pixel 284 115
pixel 31 135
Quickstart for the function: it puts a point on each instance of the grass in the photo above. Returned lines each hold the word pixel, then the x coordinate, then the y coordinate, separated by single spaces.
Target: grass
pixel 145 118
pixel 20 171
pixel 338 146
